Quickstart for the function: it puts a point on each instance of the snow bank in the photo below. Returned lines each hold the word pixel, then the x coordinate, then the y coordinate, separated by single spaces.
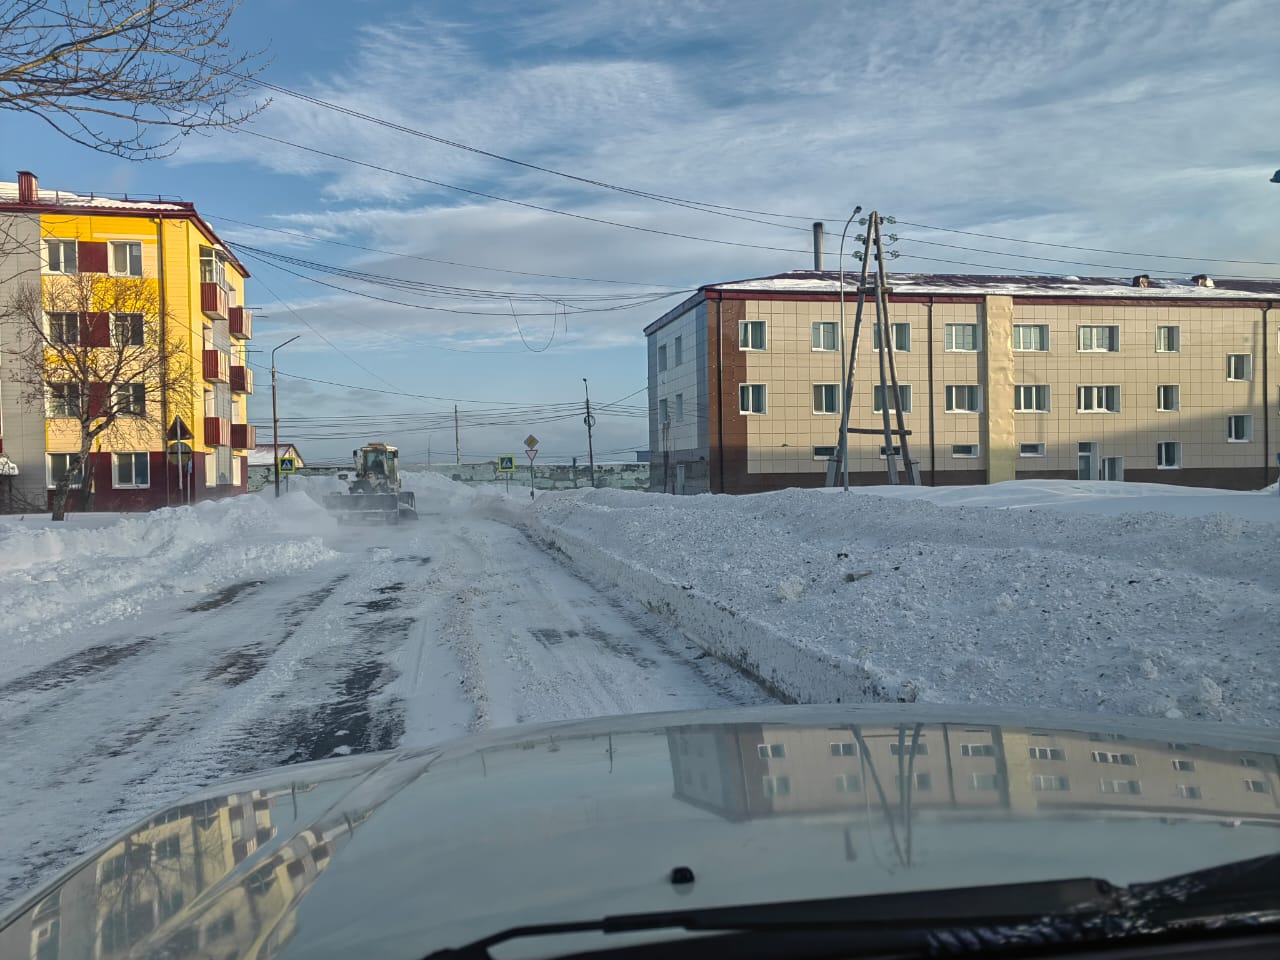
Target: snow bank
pixel 62 578
pixel 1124 610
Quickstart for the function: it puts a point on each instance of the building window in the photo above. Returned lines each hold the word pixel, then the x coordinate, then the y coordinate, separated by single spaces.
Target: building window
pixel 884 451
pixel 907 749
pixel 1097 399
pixel 60 256
pixel 129 470
pixel 1045 782
pixel 1130 787
pixel 1168 397
pixel 1240 428
pixel 1188 792
pixel 826 398
pixel 965 398
pixel 1098 339
pixel 127 330
pixel 1250 762
pixel 130 399
pixel 751 335
pixel 776 786
pixel 752 398
pixel 1031 398
pixel 1047 753
pixel 64 328
pixel 1169 455
pixel 1031 337
pixel 58 464
pixel 845 748
pixel 1123 759
pixel 1257 786
pixel 977 750
pixel 848 783
pixel 877 397
pixel 679 350
pixel 213 266
pixel 964 451
pixel 126 258
pixel 921 781
pixel 64 400
pixel 771 750
pixel 1239 366
pixel 1185 765
pixel 984 781
pixel 901 337
pixel 825 335
pixel 679 407
pixel 823 453
pixel 1031 449
pixel 662 358
pixel 170 848
pixel 1168 340
pixel 663 414
pixel 962 338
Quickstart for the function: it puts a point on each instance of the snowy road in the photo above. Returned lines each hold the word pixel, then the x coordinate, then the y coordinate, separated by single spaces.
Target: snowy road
pixel 398 635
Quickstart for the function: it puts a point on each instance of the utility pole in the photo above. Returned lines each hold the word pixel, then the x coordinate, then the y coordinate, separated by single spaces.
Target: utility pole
pixel 457 437
pixel 873 230
pixel 275 418
pixel 846 371
pixel 590 421
pixel 886 339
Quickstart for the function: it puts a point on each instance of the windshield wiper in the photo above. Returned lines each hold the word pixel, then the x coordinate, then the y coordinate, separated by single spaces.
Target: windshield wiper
pixel 968 919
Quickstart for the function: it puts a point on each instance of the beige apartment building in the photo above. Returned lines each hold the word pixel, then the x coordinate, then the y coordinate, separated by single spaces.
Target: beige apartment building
pixel 1001 378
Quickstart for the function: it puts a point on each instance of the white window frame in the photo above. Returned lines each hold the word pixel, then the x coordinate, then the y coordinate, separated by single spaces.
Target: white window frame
pixel 117 459
pixel 747 330
pixel 1132 788
pixel 977 749
pixel 747 409
pixel 825 392
pixel 971 393
pixel 1245 359
pixel 1042 335
pixel 142 329
pixel 899 329
pixel 1171 333
pixel 1036 391
pixel 1050 783
pixel 905 396
pixel 1257 786
pixel 58 408
pixel 124 397
pixel 128 246
pixel 48 470
pixel 1055 754
pixel 62 245
pixel 1088 332
pixel 776 786
pixel 949 333
pixel 1162 405
pixel 1038 449
pixel 848 783
pixel 956 449
pixel 1162 455
pixel 984 782
pixel 1182 764
pixel 919 748
pixel 838 748
pixel 1099 398
pixel 817 331
pixel 1246 420
pixel 1188 791
pixel 61 323
pixel 818 455
pixel 1115 759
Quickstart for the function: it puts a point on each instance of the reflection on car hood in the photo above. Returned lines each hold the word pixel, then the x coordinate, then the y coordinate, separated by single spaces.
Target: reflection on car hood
pixel 397 854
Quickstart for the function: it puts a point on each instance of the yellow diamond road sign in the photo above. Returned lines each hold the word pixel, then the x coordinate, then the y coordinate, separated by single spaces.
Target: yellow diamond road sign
pixel 531 441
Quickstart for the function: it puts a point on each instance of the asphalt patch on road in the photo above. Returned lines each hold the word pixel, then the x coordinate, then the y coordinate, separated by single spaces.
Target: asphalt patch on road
pixel 224 596
pixel 62 672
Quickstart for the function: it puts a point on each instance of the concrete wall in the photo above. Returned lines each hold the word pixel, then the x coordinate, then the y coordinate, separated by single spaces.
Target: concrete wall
pixel 549 476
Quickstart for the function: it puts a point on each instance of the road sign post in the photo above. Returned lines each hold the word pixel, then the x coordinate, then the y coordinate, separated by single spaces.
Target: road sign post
pixel 532 454
pixel 506 467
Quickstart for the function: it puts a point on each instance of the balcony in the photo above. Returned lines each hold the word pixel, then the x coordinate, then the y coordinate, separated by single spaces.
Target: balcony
pixel 244 436
pixel 215 366
pixel 217 431
pixel 213 300
pixel 241 322
pixel 241 379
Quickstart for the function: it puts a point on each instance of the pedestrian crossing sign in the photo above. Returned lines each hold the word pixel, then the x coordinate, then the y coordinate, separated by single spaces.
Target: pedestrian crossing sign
pixel 507 464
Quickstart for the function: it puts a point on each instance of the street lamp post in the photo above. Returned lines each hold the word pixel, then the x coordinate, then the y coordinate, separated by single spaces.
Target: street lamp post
pixel 844 367
pixel 275 417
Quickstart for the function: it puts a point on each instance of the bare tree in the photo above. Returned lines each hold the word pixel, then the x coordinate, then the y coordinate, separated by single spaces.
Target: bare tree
pixel 94 350
pixel 125 77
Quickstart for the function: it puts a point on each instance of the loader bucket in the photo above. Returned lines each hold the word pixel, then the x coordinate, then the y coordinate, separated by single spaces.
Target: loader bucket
pixel 370 507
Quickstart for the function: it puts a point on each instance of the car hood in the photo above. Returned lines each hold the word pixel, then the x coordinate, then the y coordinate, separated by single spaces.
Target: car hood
pixel 401 853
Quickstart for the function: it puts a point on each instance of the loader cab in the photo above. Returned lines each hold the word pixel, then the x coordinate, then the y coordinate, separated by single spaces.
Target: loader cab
pixel 376 462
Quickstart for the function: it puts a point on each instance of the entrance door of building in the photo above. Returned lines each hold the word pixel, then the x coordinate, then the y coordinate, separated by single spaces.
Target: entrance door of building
pixel 680 479
pixel 1113 468
pixel 1088 461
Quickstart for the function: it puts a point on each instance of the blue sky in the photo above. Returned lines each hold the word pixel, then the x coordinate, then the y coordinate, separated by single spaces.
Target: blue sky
pixel 1144 127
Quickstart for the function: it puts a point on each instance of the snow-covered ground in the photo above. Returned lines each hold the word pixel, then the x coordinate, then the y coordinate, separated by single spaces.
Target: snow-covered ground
pixel 146 655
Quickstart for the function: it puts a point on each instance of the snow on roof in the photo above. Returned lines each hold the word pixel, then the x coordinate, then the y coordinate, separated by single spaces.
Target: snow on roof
pixel 262 455
pixel 9 193
pixel 828 281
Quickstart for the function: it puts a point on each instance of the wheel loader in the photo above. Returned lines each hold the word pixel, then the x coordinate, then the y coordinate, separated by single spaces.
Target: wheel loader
pixel 374 493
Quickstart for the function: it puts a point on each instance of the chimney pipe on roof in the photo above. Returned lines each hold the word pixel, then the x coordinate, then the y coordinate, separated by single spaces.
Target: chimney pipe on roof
pixel 817 245
pixel 28 187
pixel 1202 280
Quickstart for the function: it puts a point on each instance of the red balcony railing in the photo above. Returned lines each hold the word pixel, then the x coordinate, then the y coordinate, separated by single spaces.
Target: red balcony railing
pixel 241 379
pixel 213 300
pixel 217 431
pixel 216 367
pixel 240 322
pixel 244 436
